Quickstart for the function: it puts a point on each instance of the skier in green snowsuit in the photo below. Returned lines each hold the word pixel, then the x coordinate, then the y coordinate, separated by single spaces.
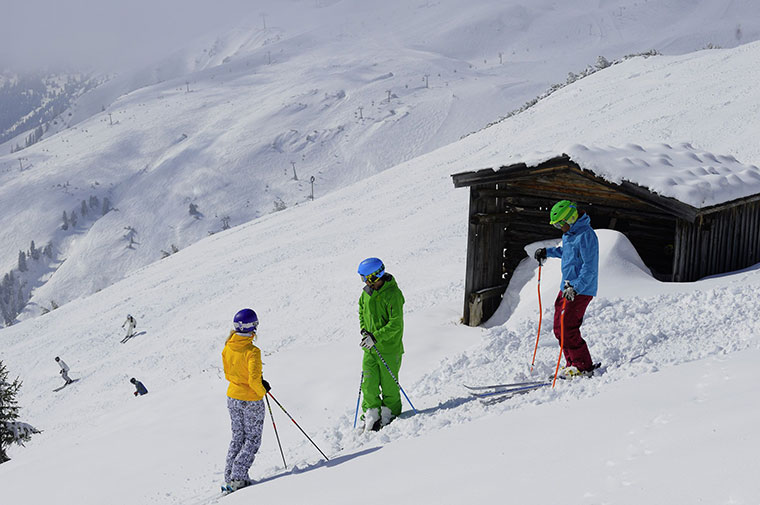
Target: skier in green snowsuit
pixel 381 317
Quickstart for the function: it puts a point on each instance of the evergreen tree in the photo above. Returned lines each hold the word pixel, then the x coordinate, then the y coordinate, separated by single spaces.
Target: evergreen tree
pixel 11 431
pixel 22 261
pixel 65 221
pixel 106 206
pixel 84 208
pixel 34 253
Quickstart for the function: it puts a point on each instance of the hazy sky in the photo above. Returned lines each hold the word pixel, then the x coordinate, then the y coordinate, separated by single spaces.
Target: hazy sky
pixel 109 33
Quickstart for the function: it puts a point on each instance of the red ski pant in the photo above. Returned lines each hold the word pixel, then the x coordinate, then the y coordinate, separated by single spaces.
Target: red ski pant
pixel 575 348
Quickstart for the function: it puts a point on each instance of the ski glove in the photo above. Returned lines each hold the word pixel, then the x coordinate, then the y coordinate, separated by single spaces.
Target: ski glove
pixel 368 340
pixel 540 255
pixel 569 292
pixel 266 385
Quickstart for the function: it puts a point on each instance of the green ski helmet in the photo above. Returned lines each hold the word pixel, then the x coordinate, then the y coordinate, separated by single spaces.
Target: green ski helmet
pixel 563 212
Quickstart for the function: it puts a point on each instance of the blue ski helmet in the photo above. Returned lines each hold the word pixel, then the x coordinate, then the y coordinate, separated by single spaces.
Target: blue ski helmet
pixel 246 321
pixel 371 269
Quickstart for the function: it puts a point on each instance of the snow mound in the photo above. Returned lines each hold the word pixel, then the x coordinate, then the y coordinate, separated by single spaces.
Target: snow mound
pixel 618 259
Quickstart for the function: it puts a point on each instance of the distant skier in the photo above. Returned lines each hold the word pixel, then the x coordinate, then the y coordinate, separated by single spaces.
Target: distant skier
pixel 243 368
pixel 64 370
pixel 131 325
pixel 381 319
pixel 140 387
pixel 580 273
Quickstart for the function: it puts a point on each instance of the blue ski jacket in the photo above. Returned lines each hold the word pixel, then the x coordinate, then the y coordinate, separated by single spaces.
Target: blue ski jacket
pixel 580 257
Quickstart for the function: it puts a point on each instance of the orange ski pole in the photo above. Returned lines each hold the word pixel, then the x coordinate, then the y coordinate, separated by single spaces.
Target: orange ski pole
pixel 540 317
pixel 561 339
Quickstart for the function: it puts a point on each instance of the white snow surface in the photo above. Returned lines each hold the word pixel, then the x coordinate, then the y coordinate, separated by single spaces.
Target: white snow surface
pixel 671 416
pixel 693 176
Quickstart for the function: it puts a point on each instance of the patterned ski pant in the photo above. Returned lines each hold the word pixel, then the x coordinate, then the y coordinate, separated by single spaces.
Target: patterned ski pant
pixel 247 423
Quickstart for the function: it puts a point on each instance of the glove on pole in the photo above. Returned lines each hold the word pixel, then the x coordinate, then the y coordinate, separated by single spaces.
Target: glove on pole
pixel 561 339
pixel 294 422
pixel 394 378
pixel 356 414
pixel 540 317
pixel 275 432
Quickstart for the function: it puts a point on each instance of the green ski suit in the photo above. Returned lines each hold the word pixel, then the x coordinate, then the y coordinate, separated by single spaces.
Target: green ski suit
pixel 381 312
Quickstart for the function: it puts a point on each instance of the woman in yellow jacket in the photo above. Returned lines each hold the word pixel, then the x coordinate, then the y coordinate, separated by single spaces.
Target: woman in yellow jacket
pixel 242 367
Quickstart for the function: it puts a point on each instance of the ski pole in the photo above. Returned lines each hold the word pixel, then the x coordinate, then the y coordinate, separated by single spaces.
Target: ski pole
pixel 275 432
pixel 540 317
pixel 561 339
pixel 394 378
pixel 356 414
pixel 294 422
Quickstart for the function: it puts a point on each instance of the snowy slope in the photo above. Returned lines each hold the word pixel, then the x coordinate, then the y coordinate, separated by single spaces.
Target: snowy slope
pixel 675 389
pixel 343 90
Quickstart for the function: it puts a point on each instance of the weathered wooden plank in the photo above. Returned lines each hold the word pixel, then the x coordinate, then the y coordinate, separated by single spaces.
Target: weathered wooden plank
pixel 677 252
pixel 730 204
pixel 742 256
pixel 704 248
pixel 724 242
pixel 484 218
pixel 755 233
pixel 714 245
pixel 691 270
pixel 637 210
pixel 489 175
pixel 731 244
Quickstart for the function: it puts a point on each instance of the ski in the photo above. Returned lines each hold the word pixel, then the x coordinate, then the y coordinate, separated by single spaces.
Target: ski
pixel 503 386
pixel 64 385
pixel 490 400
pixel 510 390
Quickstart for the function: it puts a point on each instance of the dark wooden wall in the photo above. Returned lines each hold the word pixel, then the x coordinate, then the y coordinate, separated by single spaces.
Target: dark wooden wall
pixel 717 242
pixel 484 283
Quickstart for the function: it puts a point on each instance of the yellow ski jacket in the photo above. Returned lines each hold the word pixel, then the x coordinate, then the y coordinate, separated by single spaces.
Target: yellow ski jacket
pixel 242 367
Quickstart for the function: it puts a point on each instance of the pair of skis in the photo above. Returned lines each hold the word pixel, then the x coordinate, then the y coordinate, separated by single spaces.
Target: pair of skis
pixel 499 392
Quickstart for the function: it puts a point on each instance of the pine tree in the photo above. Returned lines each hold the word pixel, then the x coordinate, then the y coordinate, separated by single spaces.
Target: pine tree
pixel 11 431
pixel 65 221
pixel 34 253
pixel 22 262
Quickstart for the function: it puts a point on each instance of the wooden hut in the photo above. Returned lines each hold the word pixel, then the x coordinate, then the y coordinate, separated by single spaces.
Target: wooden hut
pixel 704 229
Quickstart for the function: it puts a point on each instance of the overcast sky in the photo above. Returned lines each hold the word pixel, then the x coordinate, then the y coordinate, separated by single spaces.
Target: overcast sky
pixel 109 33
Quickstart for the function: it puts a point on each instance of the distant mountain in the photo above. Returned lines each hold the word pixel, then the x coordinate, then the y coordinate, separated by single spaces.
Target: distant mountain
pixel 30 103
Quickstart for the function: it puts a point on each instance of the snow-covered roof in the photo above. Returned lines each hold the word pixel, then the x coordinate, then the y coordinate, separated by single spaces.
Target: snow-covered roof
pixel 690 175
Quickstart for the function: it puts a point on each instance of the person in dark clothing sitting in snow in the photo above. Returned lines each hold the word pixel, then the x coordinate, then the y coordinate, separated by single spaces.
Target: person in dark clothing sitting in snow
pixel 140 387
pixel 580 274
